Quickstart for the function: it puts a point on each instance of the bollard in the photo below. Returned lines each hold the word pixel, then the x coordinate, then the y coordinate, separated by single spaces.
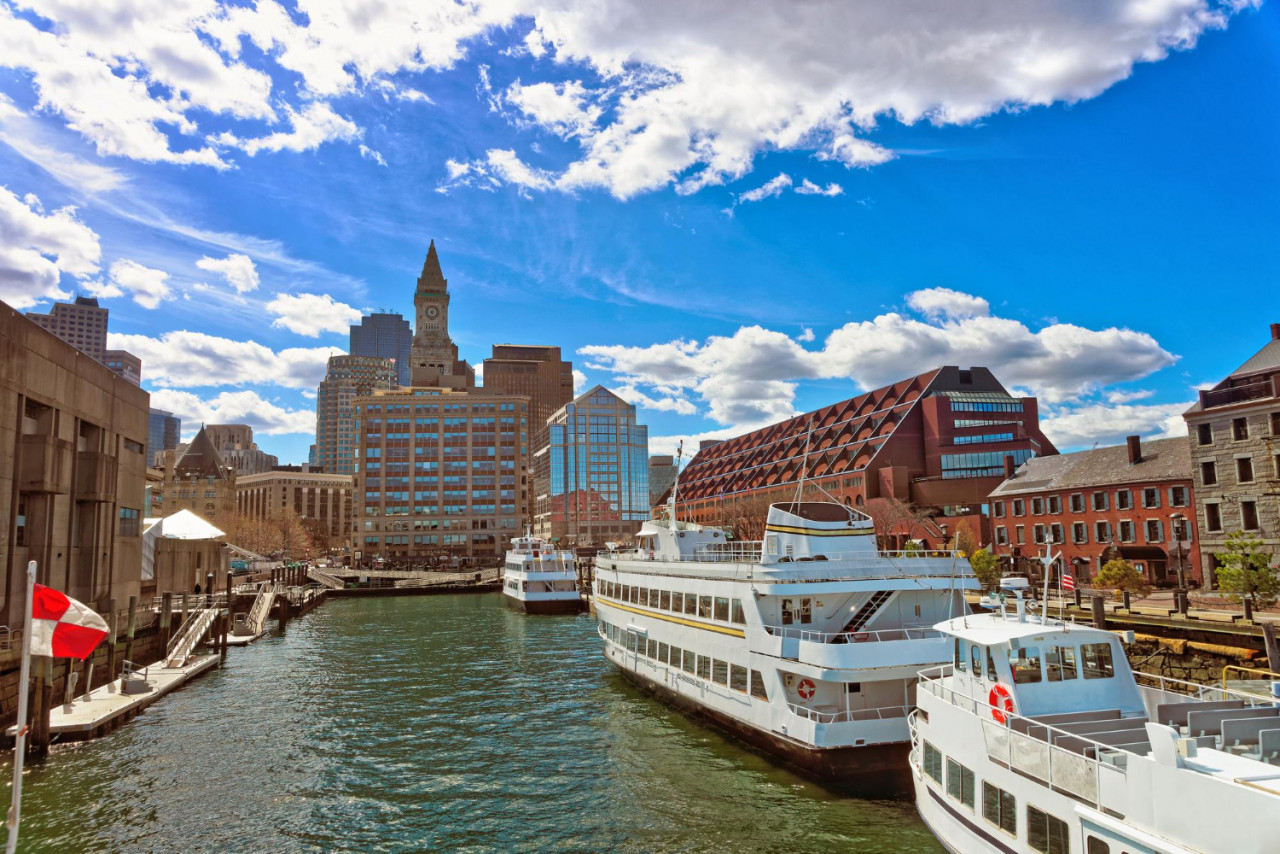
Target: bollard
pixel 69 692
pixel 111 642
pixel 1125 596
pixel 1078 595
pixel 132 628
pixel 1248 608
pixel 88 682
pixel 208 588
pixel 166 619
pixel 44 690
pixel 1099 613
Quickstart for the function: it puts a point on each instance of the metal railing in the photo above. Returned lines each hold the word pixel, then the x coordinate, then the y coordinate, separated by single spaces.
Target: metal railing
pixel 879 636
pixel 1207 693
pixel 863 568
pixel 9 636
pixel 195 602
pixel 750 552
pixel 849 715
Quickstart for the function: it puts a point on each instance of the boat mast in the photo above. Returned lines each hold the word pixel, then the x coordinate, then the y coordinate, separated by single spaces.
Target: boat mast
pixel 675 485
pixel 1046 560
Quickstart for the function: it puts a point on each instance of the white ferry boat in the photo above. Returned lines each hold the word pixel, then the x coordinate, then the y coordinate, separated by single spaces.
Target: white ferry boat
pixel 806 645
pixel 1039 738
pixel 538 578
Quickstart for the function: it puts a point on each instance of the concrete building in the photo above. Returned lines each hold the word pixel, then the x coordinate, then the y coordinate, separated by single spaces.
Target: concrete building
pixel 83 324
pixel 321 501
pixel 1131 501
pixel 125 364
pixel 936 442
pixel 337 432
pixel 591 483
pixel 1234 434
pixel 387 336
pixel 197 479
pixel 433 357
pixel 662 473
pixel 442 473
pixel 537 372
pixel 164 431
pixel 236 447
pixel 72 470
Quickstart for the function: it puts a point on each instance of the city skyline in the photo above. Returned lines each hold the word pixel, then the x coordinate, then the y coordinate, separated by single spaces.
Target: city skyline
pixel 1028 226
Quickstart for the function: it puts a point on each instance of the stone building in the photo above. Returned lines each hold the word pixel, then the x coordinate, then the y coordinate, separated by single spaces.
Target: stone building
pixel 197 479
pixel 1132 501
pixel 83 325
pixel 72 470
pixel 321 501
pixel 537 372
pixel 236 447
pixel 337 433
pixel 433 357
pixel 591 483
pixel 387 336
pixel 1234 435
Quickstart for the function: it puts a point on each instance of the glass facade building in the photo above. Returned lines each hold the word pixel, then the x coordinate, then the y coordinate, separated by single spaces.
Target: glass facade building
pixel 592 479
pixel 386 336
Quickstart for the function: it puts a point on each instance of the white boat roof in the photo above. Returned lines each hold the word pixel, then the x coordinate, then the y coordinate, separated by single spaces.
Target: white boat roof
pixel 992 629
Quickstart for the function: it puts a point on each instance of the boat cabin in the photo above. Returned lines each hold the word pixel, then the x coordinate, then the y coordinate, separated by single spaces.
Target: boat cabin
pixel 816 530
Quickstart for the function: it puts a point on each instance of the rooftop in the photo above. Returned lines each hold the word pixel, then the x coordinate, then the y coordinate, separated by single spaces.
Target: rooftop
pixel 1161 460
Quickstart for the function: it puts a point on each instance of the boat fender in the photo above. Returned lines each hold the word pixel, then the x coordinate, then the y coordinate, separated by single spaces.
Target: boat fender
pixel 1001 702
pixel 806 689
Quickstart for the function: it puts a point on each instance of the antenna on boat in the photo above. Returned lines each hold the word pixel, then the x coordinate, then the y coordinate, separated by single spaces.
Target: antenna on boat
pixel 1046 560
pixel 675 485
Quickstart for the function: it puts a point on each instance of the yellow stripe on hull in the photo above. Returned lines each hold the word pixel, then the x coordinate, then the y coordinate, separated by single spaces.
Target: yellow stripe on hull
pixel 724 630
pixel 821 532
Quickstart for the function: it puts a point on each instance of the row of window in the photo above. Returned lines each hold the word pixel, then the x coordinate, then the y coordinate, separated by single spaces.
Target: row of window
pixel 1125 532
pixel 429 408
pixel 982 438
pixel 1244 470
pixel 1059 664
pixel 708 607
pixel 1179 496
pixel 714 670
pixel 983 464
pixel 1239 429
pixel 1248 516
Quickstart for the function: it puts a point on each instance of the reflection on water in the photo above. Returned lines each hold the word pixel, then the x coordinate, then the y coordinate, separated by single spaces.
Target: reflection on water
pixel 442 723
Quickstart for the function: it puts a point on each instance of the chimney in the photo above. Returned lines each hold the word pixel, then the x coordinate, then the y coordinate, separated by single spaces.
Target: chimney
pixel 1275 331
pixel 1135 449
pixel 1008 466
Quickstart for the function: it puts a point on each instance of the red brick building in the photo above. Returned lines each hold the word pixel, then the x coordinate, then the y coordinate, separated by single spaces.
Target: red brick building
pixel 1131 501
pixel 937 441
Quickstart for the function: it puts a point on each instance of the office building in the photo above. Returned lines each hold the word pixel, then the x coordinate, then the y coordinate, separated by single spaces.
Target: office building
pixel 83 325
pixel 337 432
pixel 536 372
pixel 433 357
pixel 662 473
pixel 164 431
pixel 125 364
pixel 387 336
pixel 322 502
pixel 591 483
pixel 236 447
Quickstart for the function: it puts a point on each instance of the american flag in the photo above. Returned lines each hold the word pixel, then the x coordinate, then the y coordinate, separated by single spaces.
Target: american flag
pixel 1068 581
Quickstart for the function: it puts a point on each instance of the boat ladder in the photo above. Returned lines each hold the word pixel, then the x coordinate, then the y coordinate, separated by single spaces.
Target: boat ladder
pixel 188 636
pixel 329 580
pixel 868 610
pixel 262 606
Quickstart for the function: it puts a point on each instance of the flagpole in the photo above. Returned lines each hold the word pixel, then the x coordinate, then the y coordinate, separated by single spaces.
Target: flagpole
pixel 20 729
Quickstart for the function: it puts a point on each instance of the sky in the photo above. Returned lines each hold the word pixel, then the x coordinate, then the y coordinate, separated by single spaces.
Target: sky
pixel 728 213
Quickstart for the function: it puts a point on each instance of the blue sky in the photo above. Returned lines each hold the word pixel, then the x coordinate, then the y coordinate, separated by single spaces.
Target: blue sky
pixel 728 216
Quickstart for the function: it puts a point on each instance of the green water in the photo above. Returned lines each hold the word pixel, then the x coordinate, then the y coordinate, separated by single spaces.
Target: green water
pixel 433 724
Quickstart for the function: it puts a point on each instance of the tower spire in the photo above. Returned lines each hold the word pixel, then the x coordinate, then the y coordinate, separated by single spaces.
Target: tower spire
pixel 432 279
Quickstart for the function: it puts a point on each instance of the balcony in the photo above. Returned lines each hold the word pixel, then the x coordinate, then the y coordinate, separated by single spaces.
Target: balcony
pixel 95 477
pixel 46 464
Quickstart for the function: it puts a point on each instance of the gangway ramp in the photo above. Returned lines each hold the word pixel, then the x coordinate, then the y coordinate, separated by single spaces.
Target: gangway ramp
pixel 328 579
pixel 184 643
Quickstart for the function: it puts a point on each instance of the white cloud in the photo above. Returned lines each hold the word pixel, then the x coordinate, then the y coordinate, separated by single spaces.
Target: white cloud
pixel 314 125
pixel 148 286
pixel 579 382
pixel 1119 396
pixel 671 403
pixel 29 139
pixel 237 269
pixel 190 359
pixel 505 165
pixel 808 188
pixel 564 109
pixel 37 248
pixel 369 154
pixel 311 314
pixel 750 377
pixel 806 335
pixel 773 187
pixel 1075 427
pixel 235 407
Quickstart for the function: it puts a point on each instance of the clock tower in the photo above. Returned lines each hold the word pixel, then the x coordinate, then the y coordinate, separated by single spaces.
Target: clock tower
pixel 433 358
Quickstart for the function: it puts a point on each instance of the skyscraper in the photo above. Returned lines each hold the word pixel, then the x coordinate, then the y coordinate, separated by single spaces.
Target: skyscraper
pixel 388 336
pixel 164 431
pixel 347 378
pixel 433 357
pixel 236 446
pixel 83 325
pixel 536 371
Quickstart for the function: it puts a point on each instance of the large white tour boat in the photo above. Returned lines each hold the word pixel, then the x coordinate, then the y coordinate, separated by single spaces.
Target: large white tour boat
pixel 806 645
pixel 538 578
pixel 1039 738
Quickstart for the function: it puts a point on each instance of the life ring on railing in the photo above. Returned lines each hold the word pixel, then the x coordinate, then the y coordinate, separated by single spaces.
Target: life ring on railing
pixel 1001 702
pixel 806 689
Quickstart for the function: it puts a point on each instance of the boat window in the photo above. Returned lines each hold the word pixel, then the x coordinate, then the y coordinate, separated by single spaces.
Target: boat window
pixel 933 762
pixel 704 606
pixel 853 687
pixel 1047 834
pixel 1026 667
pixel 1097 661
pixel 757 686
pixel 736 615
pixel 806 611
pixel 771 544
pixel 690 604
pixel 662 652
pixel 1097 846
pixel 525 586
pixel 626 593
pixel 991 667
pixel 704 667
pixel 722 608
pixel 1060 662
pixel 651 648
pixel 689 661
pixel 720 672
pixel 653 598
pixel 957 660
pixel 788 614
pixel 738 678
pixel 635 595
pixel 975 658
pixel 675 657
pixel 664 600
pixel 1000 808
pixel 960 783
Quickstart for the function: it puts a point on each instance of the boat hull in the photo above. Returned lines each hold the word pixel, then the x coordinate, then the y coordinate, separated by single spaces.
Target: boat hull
pixel 877 770
pixel 544 606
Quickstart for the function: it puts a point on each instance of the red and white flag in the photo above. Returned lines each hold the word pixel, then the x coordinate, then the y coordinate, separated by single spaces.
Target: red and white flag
pixel 62 627
pixel 1068 581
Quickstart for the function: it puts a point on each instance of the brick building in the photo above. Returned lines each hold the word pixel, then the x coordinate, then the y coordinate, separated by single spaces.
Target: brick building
pixel 1132 501
pixel 537 372
pixel 1234 436
pixel 936 441
pixel 337 432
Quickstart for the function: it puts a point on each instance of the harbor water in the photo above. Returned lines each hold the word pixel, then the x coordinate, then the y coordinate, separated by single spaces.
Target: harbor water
pixel 441 723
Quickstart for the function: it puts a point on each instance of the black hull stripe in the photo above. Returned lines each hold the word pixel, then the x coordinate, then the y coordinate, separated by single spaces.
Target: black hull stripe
pixel 967 822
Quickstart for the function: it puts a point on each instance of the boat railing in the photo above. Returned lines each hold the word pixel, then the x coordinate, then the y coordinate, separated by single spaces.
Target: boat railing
pixel 822 716
pixel 750 552
pixel 859 568
pixel 1093 774
pixel 878 636
pixel 1195 690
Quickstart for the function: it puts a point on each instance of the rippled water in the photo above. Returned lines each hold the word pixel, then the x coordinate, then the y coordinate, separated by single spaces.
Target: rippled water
pixel 441 723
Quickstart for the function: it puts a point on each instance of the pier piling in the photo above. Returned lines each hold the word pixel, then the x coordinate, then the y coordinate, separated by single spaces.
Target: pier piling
pixel 1099 613
pixel 166 619
pixel 111 641
pixel 131 629
pixel 1273 651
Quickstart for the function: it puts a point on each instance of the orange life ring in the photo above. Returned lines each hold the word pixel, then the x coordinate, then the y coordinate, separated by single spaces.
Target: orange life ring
pixel 1001 702
pixel 806 689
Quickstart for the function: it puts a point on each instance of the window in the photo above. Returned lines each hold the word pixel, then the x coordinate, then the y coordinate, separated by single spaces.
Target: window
pixel 1060 663
pixel 736 615
pixel 664 600
pixel 1019 507
pixel 1079 532
pixel 722 609
pixel 1178 496
pixel 1204 434
pixel 1244 469
pixel 1038 533
pixel 1097 661
pixel 704 667
pixel 1026 665
pixel 1055 505
pixel 960 783
pixel 675 657
pixel 21 536
pixel 975 659
pixel 1047 834
pixel 1239 428
pixel 757 686
pixel 689 664
pixel 1099 501
pixel 720 672
pixel 1097 846
pixel 1000 808
pixel 1249 515
pixel 997 509
pixel 1212 517
pixel 1155 531
pixel 1151 497
pixel 1126 531
pixel 704 606
pixel 1077 503
pixel 1124 499
pixel 130 520
pixel 958 658
pixel 1180 529
pixel 1209 473
pixel 1037 507
pixel 933 762
pixel 1021 532
pixel 1055 534
pixel 663 652
pixel 1002 535
pixel 738 678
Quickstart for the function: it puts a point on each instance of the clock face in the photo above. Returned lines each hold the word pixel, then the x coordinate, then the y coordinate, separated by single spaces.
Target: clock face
pixel 432 311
